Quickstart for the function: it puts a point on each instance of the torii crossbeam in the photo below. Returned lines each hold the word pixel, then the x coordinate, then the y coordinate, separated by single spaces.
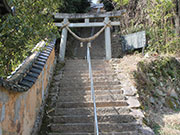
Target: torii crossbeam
pixel 66 17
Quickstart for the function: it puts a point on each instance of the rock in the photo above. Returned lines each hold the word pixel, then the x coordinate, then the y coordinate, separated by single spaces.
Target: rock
pixel 171 103
pixel 58 77
pixel 146 131
pixel 163 101
pixel 146 55
pixel 130 91
pixel 137 113
pixel 154 79
pixel 178 89
pixel 151 99
pixel 160 93
pixel 133 102
pixel 161 84
pixel 174 94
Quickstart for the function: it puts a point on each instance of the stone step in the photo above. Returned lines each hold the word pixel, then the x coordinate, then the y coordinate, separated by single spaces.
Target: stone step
pixel 90 118
pixel 85 62
pixel 90 104
pixel 90 111
pixel 74 110
pixel 74 92
pixel 78 83
pixel 87 79
pixel 87 98
pixel 102 70
pixel 80 70
pixel 74 74
pixel 95 78
pixel 86 69
pixel 87 87
pixel 99 64
pixel 85 66
pixel 89 127
pixel 104 133
pixel 84 73
pixel 93 61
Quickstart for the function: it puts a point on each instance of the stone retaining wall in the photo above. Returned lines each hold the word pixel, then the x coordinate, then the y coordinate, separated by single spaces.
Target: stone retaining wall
pixel 22 98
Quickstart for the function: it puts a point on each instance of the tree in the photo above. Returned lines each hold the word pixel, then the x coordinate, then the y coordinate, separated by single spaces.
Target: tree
pixel 32 23
pixel 108 5
pixel 74 6
pixel 114 4
pixel 159 18
pixel 177 17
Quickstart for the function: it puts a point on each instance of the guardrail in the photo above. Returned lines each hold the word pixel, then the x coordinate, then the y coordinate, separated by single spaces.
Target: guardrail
pixel 96 129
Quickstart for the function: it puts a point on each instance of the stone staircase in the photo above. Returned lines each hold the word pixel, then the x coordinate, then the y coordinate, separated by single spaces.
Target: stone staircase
pixel 73 109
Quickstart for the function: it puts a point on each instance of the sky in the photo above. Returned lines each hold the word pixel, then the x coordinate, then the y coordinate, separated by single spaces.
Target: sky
pixel 94 1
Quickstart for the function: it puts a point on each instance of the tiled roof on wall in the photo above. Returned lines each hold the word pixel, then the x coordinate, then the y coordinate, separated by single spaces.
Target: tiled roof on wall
pixel 29 72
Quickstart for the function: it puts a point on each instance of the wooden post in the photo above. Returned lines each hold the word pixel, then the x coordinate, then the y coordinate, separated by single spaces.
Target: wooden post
pixel 108 40
pixel 62 49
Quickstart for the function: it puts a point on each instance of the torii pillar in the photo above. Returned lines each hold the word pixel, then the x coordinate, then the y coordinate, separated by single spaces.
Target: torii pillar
pixel 108 40
pixel 63 42
pixel 88 16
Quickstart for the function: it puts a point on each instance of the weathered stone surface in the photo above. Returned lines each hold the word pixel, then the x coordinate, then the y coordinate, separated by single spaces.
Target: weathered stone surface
pixel 123 118
pixel 16 81
pixel 133 102
pixel 132 91
pixel 108 133
pixel 160 93
pixel 151 99
pixel 89 15
pixel 137 113
pixel 174 94
pixel 124 74
pixel 146 131
pixel 89 111
pixel 20 105
pixel 116 101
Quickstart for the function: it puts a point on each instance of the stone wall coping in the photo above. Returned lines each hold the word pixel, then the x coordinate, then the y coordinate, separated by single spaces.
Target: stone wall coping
pixel 21 80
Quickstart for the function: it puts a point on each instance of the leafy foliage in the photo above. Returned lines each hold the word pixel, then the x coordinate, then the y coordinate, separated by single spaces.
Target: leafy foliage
pixel 74 6
pixel 108 4
pixel 18 34
pixel 122 2
pixel 114 4
pixel 33 22
pixel 158 86
pixel 157 17
pixel 161 32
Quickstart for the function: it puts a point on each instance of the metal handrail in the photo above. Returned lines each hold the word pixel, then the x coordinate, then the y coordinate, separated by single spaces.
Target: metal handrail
pixel 96 129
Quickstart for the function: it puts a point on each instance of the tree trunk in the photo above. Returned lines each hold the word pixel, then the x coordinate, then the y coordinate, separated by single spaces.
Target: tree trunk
pixel 177 18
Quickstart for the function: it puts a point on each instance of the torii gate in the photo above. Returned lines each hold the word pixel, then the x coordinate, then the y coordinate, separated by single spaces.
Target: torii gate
pixel 106 24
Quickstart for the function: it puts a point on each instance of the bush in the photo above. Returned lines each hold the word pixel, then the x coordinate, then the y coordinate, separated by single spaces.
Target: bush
pixel 33 22
pixel 156 17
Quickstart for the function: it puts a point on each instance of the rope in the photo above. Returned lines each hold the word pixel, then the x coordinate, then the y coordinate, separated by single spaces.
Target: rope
pixel 64 25
pixel 89 38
